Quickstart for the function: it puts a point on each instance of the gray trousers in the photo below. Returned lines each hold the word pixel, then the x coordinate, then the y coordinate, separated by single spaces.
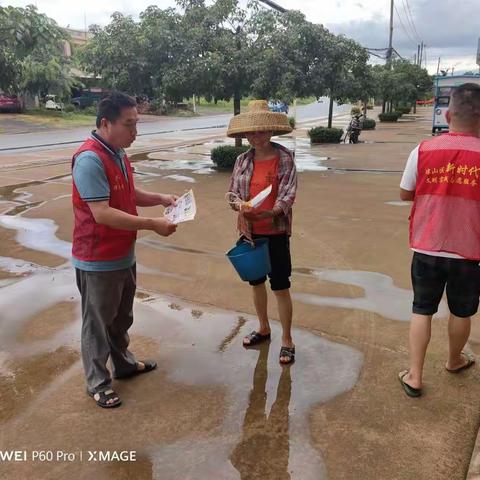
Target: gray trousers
pixel 107 314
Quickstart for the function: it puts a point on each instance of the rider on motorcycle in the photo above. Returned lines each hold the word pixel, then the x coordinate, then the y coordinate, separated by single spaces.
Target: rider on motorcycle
pixel 355 128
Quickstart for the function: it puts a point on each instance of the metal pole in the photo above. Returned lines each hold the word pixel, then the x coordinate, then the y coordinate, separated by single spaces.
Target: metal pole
pixel 438 66
pixel 390 41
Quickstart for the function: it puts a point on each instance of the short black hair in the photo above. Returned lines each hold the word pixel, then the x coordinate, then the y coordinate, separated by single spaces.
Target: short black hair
pixel 465 103
pixel 110 107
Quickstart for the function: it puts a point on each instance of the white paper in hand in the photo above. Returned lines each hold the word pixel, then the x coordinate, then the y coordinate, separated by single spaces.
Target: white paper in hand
pixel 184 211
pixel 258 199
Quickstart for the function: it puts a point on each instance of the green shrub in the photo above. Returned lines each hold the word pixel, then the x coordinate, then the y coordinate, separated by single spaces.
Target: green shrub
pixel 369 124
pixel 404 110
pixel 389 117
pixel 224 157
pixel 355 111
pixel 325 135
pixel 291 121
pixel 92 110
pixel 69 108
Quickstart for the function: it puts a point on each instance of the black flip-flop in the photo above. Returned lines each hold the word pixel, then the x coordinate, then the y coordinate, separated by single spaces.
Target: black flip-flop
pixel 149 366
pixel 256 338
pixel 409 390
pixel 102 398
pixel 288 352
pixel 470 363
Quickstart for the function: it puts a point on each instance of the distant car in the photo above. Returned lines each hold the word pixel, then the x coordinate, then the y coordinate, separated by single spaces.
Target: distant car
pixel 10 103
pixel 52 104
pixel 278 106
pixel 87 99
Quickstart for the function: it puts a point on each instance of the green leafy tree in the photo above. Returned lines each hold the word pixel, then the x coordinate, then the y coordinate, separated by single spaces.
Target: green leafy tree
pixel 31 44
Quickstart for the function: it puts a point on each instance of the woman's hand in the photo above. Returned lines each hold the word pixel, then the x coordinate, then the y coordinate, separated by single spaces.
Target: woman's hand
pixel 253 216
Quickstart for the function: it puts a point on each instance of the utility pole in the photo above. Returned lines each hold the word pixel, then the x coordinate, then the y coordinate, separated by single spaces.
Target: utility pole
pixel 438 66
pixel 390 47
pixel 421 55
pixel 418 55
pixel 390 41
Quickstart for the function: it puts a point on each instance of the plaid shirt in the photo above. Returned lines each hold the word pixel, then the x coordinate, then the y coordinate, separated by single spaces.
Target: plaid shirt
pixel 287 188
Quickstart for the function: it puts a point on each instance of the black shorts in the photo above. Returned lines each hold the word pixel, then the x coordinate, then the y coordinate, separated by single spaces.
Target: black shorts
pixel 431 274
pixel 279 249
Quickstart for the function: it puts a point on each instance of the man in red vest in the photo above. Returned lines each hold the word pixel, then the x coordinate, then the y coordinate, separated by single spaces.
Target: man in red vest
pixel 105 202
pixel 442 177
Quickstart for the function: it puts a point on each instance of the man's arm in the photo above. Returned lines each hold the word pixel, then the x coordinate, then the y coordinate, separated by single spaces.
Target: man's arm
pixel 409 178
pixel 114 218
pixel 407 195
pixel 152 199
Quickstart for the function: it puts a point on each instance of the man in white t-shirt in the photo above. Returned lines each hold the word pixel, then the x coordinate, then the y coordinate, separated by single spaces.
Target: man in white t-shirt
pixel 442 177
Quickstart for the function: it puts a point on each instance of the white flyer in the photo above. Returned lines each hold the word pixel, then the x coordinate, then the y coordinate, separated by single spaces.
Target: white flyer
pixel 258 199
pixel 184 211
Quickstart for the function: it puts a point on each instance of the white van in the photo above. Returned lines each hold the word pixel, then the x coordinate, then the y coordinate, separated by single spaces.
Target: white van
pixel 443 89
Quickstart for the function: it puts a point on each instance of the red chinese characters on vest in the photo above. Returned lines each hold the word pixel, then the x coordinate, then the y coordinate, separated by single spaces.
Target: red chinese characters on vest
pixel 95 242
pixel 446 210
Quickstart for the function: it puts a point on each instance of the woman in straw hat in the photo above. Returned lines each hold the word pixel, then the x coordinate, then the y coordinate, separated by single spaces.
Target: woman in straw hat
pixel 265 164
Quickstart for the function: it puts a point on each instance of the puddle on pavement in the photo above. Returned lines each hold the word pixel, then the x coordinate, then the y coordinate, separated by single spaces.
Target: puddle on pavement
pixel 399 204
pixel 19 267
pixel 381 295
pixel 10 193
pixel 180 178
pixel 151 163
pixel 267 406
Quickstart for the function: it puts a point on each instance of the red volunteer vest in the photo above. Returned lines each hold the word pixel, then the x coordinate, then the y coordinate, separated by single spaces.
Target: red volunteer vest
pixel 446 210
pixel 95 242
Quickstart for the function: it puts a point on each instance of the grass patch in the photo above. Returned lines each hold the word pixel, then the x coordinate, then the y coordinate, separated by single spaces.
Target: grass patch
pixel 57 119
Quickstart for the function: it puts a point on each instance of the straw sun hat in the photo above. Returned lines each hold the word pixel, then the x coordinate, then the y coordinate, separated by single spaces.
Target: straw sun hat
pixel 258 119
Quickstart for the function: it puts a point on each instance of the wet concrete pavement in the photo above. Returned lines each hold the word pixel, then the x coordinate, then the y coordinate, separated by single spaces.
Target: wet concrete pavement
pixel 214 409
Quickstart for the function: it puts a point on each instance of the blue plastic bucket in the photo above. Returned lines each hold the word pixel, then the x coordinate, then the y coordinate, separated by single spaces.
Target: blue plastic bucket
pixel 251 263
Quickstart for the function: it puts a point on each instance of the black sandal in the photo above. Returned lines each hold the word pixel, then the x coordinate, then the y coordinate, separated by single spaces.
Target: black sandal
pixel 102 399
pixel 149 366
pixel 465 366
pixel 256 338
pixel 408 389
pixel 288 352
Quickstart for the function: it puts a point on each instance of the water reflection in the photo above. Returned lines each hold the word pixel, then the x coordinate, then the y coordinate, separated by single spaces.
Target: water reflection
pixel 264 448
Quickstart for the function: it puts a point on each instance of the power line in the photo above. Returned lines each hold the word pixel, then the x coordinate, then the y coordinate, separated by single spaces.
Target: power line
pixel 411 19
pixel 398 55
pixel 274 5
pixel 403 27
pixel 409 22
pixel 383 57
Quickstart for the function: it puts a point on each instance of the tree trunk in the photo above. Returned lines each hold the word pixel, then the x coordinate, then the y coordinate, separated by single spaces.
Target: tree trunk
pixel 330 112
pixel 384 103
pixel 415 107
pixel 236 111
